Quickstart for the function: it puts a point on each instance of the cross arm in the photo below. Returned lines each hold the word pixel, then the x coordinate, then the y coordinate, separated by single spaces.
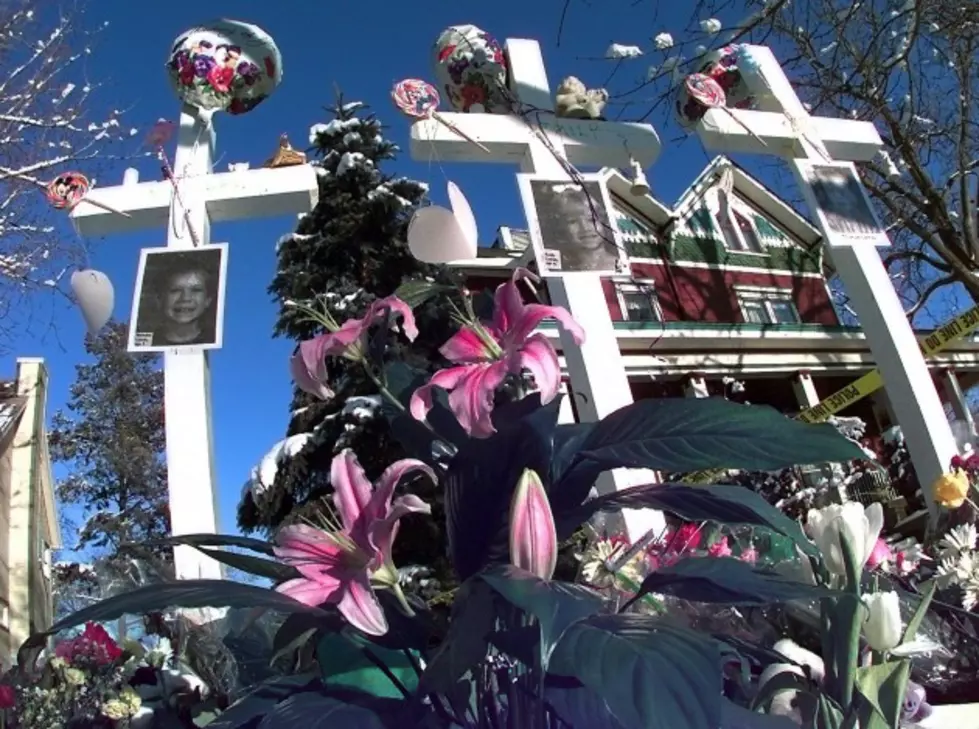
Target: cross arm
pixel 844 139
pixel 587 142
pixel 229 196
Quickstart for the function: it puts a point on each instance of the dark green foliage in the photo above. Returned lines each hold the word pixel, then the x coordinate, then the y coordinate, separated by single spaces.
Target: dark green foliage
pixel 112 441
pixel 350 250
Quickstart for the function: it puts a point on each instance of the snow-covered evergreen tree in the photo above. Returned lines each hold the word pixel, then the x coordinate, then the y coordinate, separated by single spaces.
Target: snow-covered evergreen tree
pixel 349 251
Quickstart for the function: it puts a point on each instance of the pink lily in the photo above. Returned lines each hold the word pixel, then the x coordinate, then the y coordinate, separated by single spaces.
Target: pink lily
pixel 749 555
pixel 486 352
pixel 308 365
pixel 533 536
pixel 340 565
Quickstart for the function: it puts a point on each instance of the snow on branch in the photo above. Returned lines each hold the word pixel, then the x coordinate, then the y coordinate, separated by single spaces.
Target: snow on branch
pixel 48 125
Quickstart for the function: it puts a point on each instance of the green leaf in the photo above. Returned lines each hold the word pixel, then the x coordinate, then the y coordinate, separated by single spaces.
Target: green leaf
pixel 416 293
pixel 738 717
pixel 183 593
pixel 883 686
pixel 580 707
pixel 721 504
pixel 911 632
pixel 345 664
pixel 556 605
pixel 473 618
pixel 785 681
pixel 262 699
pixel 299 628
pixel 311 710
pixel 276 571
pixel 688 434
pixel 211 540
pixel 829 714
pixel 651 674
pixel 726 580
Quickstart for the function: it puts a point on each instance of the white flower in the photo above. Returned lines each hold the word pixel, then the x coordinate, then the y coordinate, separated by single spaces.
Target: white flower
pixel 710 26
pixel 859 526
pixel 663 41
pixel 617 50
pixel 882 625
pixel 596 560
pixel 958 540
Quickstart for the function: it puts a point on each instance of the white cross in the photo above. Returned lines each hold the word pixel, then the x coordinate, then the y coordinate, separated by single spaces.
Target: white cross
pixel 596 369
pixel 209 198
pixel 791 133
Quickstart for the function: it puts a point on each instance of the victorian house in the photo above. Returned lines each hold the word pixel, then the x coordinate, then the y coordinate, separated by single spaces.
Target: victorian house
pixel 28 516
pixel 730 282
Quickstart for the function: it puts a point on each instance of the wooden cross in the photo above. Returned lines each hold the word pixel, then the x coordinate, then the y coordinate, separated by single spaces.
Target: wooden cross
pixel 596 369
pixel 789 131
pixel 210 198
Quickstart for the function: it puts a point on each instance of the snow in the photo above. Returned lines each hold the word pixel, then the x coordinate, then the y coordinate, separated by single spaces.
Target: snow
pixel 293 238
pixel 384 191
pixel 352 160
pixel 663 41
pixel 362 407
pixel 710 26
pixel 617 50
pixel 352 106
pixel 351 138
pixel 263 474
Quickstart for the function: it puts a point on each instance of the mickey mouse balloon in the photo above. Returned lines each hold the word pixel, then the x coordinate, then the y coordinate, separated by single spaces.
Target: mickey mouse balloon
pixel 224 65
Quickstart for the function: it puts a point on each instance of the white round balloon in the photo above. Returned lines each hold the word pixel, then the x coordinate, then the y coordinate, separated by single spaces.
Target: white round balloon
pixel 225 64
pixel 95 296
pixel 440 235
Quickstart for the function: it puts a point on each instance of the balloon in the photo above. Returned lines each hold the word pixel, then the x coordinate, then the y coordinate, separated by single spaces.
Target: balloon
pixel 697 94
pixel 471 69
pixel 731 68
pixel 440 235
pixel 416 98
pixel 95 295
pixel 224 65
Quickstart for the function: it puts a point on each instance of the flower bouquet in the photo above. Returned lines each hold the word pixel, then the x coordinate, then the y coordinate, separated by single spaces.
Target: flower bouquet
pixel 523 649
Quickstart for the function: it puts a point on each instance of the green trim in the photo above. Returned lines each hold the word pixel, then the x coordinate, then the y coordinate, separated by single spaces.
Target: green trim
pixel 713 326
pixel 697 249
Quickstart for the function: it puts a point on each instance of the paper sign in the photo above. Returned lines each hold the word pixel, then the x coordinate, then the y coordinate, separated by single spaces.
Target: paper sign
pixel 840 204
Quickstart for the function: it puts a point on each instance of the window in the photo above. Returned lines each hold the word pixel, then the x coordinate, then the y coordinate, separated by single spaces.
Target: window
pixel 739 232
pixel 767 307
pixel 638 302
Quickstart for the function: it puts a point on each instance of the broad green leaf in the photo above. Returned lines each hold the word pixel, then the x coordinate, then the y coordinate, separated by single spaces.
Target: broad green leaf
pixel 276 571
pixel 473 618
pixel 311 710
pixel 183 593
pixel 345 664
pixel 299 628
pixel 689 434
pixel 416 293
pixel 786 681
pixel 260 700
pixel 556 605
pixel 883 686
pixel 652 675
pixel 911 632
pixel 738 717
pixel 580 707
pixel 212 540
pixel 721 504
pixel 726 580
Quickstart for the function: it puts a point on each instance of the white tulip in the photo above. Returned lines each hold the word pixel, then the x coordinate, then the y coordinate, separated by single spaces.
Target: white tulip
pixel 882 626
pixel 860 526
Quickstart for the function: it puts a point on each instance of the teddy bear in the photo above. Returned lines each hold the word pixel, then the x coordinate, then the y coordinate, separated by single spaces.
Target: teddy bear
pixel 574 101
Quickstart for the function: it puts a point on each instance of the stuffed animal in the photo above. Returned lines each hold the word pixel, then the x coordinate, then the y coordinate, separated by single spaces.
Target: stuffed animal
pixel 574 101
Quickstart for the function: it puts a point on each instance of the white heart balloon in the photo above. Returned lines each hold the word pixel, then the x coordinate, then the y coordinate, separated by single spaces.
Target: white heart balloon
pixel 95 295
pixel 440 235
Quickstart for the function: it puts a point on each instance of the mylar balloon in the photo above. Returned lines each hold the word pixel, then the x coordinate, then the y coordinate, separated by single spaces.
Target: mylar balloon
pixel 95 296
pixel 696 95
pixel 225 65
pixel 471 69
pixel 729 66
pixel 440 235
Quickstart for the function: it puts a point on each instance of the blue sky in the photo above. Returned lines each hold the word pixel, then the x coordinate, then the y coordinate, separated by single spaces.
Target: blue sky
pixel 364 48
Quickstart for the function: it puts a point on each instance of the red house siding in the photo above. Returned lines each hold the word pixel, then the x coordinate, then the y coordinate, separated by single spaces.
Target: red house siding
pixel 707 294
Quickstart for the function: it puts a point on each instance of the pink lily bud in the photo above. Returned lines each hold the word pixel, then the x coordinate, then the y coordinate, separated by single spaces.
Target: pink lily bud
pixel 533 537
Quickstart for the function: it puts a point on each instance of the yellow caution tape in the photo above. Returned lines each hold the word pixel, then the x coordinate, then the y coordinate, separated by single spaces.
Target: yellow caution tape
pixel 947 334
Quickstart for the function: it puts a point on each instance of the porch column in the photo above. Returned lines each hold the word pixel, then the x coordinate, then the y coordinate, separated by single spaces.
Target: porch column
pixel 695 385
pixel 804 389
pixel 956 398
pixel 566 413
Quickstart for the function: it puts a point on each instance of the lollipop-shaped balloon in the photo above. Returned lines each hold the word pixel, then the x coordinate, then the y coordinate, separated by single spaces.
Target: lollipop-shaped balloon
pixel 440 235
pixel 95 296
pixel 224 65
pixel 420 100
pixel 67 190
